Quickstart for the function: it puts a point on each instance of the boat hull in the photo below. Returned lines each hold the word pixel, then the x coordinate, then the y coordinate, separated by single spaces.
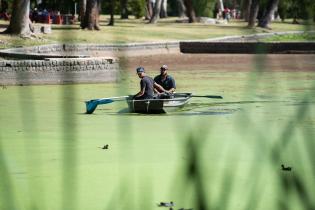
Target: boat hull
pixel 157 106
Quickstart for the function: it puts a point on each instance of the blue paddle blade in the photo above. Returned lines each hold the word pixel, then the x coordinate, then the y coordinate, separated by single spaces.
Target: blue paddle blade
pixel 92 104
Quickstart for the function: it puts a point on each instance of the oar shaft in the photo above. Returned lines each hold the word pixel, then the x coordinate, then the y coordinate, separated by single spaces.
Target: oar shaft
pixel 116 98
pixel 207 96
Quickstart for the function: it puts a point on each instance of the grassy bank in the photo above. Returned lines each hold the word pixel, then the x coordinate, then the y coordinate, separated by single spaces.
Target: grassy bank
pixel 291 38
pixel 137 30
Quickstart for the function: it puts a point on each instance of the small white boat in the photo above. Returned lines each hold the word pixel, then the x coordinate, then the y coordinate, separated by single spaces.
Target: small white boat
pixel 159 105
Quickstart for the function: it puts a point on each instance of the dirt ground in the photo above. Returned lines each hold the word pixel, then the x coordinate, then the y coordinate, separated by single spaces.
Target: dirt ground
pixel 224 62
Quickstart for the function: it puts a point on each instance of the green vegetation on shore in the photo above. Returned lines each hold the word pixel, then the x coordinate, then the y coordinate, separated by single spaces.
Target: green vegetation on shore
pixel 291 38
pixel 135 30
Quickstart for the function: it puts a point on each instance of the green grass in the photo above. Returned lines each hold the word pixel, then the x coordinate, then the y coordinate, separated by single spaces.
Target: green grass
pixel 228 151
pixel 136 30
pixel 291 38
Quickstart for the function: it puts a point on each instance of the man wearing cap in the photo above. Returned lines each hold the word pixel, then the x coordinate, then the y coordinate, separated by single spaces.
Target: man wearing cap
pixel 147 86
pixel 166 81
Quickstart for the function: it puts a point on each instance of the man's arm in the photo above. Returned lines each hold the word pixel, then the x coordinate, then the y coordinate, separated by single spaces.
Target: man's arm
pixel 172 90
pixel 140 93
pixel 142 89
pixel 159 88
pixel 173 86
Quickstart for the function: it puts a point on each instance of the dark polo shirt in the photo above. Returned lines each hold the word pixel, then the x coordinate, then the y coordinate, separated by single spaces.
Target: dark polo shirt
pixel 167 83
pixel 147 83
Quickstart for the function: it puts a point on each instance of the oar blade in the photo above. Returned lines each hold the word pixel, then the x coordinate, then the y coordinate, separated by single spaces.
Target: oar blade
pixel 92 104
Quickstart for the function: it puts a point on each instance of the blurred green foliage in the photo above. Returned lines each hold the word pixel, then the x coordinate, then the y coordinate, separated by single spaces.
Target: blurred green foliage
pixel 204 8
pixel 137 8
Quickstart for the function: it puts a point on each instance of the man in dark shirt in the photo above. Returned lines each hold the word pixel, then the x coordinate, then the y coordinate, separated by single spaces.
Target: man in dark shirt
pixel 166 81
pixel 147 86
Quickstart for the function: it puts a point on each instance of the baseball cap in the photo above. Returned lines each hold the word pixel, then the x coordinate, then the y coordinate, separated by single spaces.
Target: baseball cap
pixel 140 69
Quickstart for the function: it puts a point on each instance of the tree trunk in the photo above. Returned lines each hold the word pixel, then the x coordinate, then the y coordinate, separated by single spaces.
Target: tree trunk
pixel 124 9
pixel 246 9
pixel 254 7
pixel 190 12
pixel 82 11
pixel 163 13
pixel 266 18
pixel 181 8
pixel 156 11
pixel 20 22
pixel 221 6
pixel 148 10
pixel 91 18
pixel 112 11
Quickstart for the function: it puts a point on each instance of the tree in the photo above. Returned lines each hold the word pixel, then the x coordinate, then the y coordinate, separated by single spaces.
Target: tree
pixel 221 6
pixel 82 5
pixel 20 23
pixel 204 8
pixel 163 13
pixel 92 13
pixel 283 7
pixel 137 8
pixel 65 6
pixel 181 8
pixel 254 7
pixel 124 9
pixel 298 9
pixel 149 10
pixel 246 9
pixel 190 11
pixel 266 18
pixel 112 11
pixel 156 11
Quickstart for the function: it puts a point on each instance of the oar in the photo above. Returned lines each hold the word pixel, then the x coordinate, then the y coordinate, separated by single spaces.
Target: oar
pixel 207 96
pixel 92 104
pixel 199 96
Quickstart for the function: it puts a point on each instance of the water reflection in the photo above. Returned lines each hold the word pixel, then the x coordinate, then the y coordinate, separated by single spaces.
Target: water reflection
pixel 199 108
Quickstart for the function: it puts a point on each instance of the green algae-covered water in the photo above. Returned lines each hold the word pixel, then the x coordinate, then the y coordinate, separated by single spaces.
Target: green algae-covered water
pixel 212 154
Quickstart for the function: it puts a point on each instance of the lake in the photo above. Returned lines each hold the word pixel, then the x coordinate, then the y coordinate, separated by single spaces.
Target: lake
pixel 213 154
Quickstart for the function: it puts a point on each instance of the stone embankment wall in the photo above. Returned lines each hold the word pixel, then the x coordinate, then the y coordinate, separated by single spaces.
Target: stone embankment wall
pixel 247 47
pixel 90 50
pixel 72 63
pixel 58 71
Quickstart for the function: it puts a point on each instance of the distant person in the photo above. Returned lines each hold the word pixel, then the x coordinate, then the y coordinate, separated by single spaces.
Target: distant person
pixel 227 14
pixel 4 14
pixel 233 13
pixel 166 81
pixel 34 15
pixel 147 86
